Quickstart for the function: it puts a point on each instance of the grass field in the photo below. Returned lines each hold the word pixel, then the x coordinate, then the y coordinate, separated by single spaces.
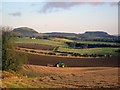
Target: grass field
pixel 91 50
pixel 40 41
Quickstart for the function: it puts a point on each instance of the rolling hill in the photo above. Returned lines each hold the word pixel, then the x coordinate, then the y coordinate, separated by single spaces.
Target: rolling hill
pixel 96 34
pixel 25 32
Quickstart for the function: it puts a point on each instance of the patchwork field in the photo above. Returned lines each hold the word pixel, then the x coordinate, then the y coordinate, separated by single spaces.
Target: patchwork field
pixel 58 44
pixel 40 44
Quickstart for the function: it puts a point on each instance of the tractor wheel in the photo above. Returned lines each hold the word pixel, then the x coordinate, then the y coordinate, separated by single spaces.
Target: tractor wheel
pixel 57 65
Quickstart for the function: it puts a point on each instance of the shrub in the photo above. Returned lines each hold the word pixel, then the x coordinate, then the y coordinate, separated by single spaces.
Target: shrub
pixel 10 58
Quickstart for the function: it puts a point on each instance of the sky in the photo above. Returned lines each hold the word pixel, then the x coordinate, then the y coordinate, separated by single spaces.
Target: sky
pixel 54 16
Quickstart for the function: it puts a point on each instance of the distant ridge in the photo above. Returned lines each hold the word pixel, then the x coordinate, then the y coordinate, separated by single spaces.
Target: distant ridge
pixel 58 33
pixel 95 33
pixel 88 35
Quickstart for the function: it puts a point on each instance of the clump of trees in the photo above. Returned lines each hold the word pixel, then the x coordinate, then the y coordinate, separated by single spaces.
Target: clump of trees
pixel 11 59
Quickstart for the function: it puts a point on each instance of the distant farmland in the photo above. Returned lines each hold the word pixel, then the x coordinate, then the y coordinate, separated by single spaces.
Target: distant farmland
pixel 63 47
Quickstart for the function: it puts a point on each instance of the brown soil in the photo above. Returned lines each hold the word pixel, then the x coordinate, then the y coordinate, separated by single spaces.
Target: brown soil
pixel 43 60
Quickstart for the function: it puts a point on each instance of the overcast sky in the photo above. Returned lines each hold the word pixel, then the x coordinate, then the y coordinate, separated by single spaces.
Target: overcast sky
pixel 76 17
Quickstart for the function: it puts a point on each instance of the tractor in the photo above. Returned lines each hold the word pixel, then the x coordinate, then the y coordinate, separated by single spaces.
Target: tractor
pixel 60 64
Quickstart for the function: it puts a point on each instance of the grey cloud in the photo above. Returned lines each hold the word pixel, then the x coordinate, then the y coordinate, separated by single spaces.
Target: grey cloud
pixel 16 14
pixel 50 6
pixel 58 5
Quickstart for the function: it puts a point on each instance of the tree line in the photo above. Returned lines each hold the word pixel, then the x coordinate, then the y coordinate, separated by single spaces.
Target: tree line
pixel 85 45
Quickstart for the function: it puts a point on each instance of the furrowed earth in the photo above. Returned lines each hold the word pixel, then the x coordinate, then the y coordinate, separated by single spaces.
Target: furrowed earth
pixel 73 62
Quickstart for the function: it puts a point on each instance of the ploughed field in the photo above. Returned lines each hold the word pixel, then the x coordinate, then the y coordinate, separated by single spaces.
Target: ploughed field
pixel 42 60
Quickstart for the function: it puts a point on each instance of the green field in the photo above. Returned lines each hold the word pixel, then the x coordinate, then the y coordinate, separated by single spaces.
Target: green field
pixel 40 41
pixel 89 51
